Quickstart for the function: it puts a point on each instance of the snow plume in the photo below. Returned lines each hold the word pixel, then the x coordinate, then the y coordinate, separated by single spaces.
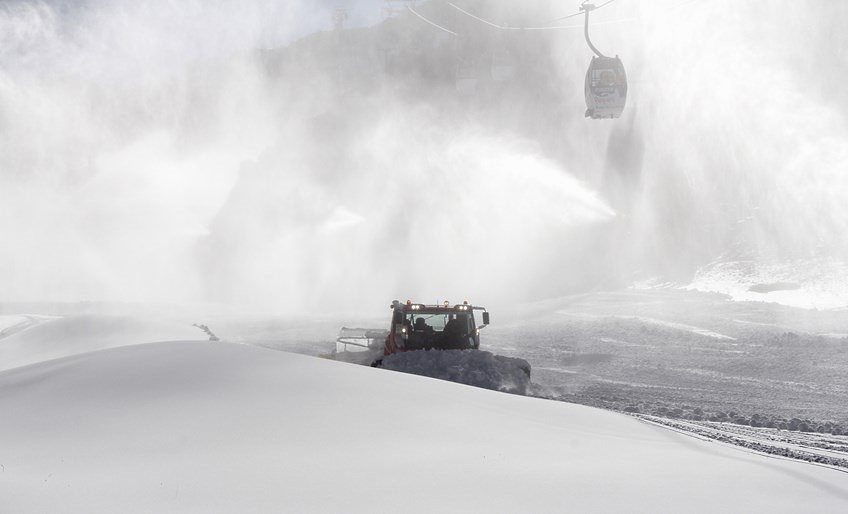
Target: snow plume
pixel 180 151
pixel 411 208
pixel 733 143
pixel 149 155
pixel 122 127
pixel 756 167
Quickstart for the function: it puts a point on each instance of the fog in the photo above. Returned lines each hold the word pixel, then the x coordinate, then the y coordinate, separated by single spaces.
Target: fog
pixel 183 153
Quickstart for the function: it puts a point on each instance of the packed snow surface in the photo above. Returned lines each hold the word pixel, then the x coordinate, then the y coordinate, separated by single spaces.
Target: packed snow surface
pixel 216 427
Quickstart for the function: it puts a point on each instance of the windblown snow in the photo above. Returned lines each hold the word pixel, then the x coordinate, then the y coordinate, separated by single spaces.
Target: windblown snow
pixel 217 427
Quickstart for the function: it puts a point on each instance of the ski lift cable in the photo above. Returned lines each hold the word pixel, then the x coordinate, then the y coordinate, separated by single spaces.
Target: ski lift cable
pixel 504 27
pixel 673 7
pixel 569 16
pixel 551 27
pixel 560 27
pixel 580 12
pixel 487 22
pixel 595 8
pixel 413 11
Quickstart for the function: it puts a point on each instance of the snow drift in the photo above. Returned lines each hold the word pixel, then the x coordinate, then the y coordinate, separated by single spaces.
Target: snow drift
pixel 213 427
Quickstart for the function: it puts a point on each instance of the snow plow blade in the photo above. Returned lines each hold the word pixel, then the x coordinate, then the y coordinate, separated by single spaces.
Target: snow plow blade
pixel 477 368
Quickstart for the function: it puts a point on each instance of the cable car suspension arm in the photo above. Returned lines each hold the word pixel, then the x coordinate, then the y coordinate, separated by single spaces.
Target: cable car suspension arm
pixel 586 8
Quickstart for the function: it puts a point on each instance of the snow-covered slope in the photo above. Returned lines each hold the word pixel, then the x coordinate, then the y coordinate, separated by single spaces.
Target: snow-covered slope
pixel 35 339
pixel 212 427
pixel 818 283
pixel 12 324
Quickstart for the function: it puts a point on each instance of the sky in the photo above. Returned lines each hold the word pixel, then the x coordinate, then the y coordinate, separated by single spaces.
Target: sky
pixel 145 155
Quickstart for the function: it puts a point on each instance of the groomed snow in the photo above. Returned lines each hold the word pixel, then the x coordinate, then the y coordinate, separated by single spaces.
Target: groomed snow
pixel 214 427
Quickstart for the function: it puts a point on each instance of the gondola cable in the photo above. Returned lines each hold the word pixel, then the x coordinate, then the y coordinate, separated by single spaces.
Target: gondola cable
pixel 506 27
pixel 549 27
pixel 606 79
pixel 560 27
pixel 416 13
pixel 580 11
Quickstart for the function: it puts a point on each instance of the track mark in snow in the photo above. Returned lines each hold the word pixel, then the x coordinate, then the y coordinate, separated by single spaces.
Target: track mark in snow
pixel 758 323
pixel 833 336
pixel 609 340
pixel 680 326
pixel 652 321
pixel 558 370
pixel 756 443
pixel 11 325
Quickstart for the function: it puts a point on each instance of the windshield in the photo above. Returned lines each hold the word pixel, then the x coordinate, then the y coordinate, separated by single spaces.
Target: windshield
pixel 604 77
pixel 437 321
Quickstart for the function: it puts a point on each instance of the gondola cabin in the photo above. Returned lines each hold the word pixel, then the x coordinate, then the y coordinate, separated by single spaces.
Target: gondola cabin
pixel 606 88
